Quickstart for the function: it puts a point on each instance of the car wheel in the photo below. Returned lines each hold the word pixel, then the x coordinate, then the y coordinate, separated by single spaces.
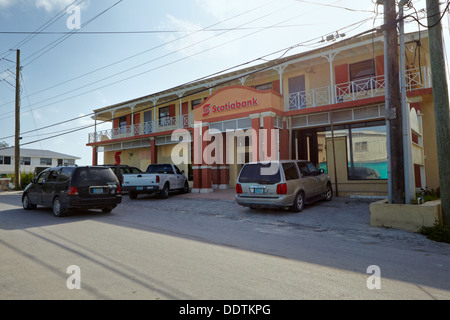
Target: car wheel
pixel 132 195
pixel 58 209
pixel 164 194
pixel 186 187
pixel 328 192
pixel 27 205
pixel 299 202
pixel 107 210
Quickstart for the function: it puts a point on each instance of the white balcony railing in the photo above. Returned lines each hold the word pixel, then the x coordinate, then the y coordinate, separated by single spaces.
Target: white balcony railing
pixel 166 124
pixel 354 90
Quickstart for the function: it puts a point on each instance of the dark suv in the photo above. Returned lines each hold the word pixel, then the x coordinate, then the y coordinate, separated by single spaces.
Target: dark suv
pixel 66 188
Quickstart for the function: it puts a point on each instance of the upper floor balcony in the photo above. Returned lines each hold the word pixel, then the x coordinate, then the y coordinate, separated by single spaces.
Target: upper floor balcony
pixel 136 130
pixel 419 78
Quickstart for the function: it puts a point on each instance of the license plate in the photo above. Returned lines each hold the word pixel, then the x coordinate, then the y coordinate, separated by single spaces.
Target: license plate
pixel 140 188
pixel 97 191
pixel 257 190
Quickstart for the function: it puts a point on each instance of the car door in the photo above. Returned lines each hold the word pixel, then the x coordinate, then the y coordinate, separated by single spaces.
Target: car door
pixel 308 180
pixel 171 176
pixel 49 187
pixel 179 177
pixel 318 186
pixel 36 194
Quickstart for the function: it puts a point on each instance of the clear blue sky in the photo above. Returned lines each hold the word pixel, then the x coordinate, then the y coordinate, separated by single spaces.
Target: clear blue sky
pixel 66 76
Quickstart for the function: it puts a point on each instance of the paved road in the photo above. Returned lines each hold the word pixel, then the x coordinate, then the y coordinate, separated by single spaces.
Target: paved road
pixel 186 247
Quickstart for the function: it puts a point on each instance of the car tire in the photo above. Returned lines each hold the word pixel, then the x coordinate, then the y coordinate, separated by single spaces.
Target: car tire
pixel 58 209
pixel 27 205
pixel 164 194
pixel 186 187
pixel 328 192
pixel 107 210
pixel 299 202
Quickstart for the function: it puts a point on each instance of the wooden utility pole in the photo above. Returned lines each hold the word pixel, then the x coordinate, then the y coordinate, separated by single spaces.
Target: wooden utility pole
pixel 441 104
pixel 17 133
pixel 394 103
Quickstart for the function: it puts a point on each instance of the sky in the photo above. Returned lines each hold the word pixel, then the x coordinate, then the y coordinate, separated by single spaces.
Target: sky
pixel 104 52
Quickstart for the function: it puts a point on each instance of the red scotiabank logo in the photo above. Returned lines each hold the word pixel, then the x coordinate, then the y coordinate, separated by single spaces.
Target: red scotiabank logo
pixel 208 109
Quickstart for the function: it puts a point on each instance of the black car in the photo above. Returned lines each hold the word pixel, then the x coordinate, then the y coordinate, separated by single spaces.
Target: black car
pixel 67 188
pixel 122 169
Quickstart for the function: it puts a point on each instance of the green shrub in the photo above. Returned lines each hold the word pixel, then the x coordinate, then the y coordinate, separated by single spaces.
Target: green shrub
pixel 25 179
pixel 440 233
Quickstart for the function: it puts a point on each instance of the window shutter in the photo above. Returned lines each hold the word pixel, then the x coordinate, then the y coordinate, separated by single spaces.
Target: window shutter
pixel 172 111
pixel 276 86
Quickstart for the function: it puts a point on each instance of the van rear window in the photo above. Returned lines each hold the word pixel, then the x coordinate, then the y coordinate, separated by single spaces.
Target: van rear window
pixel 89 174
pixel 252 173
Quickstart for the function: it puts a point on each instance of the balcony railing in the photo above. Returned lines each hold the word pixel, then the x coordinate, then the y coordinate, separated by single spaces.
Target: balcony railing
pixel 354 90
pixel 166 124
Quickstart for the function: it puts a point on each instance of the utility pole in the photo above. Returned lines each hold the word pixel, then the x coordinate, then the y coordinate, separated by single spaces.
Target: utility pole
pixel 410 188
pixel 17 133
pixel 393 104
pixel 441 104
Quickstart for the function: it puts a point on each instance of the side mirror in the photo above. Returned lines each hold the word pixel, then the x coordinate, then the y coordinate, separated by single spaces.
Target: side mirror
pixel 33 181
pixel 321 171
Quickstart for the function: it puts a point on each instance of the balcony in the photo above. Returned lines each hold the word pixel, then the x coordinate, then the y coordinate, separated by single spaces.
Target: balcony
pixel 419 78
pixel 167 124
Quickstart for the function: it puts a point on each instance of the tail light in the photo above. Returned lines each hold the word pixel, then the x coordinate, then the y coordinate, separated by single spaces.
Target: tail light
pixel 282 188
pixel 119 189
pixel 73 191
pixel 238 188
pixel 157 179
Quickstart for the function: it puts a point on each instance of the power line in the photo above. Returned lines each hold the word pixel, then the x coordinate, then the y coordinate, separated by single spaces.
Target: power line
pixel 62 39
pixel 152 31
pixel 151 49
pixel 158 67
pixel 166 102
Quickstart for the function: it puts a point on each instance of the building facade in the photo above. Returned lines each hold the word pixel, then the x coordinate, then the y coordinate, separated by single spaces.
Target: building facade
pixel 326 105
pixel 30 159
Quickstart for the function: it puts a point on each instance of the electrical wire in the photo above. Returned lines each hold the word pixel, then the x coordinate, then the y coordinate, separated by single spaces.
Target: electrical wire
pixel 65 37
pixel 148 50
pixel 84 127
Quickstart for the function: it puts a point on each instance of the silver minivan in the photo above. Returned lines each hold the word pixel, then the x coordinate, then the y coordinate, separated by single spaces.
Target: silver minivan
pixel 282 184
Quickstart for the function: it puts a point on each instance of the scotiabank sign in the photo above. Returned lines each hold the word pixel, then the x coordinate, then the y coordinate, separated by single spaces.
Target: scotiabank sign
pixel 209 109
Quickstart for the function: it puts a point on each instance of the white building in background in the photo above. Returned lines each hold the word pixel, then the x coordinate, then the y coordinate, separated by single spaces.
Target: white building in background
pixel 31 159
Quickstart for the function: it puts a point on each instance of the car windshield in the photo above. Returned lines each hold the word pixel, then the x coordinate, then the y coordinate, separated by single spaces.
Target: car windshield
pixel 253 173
pixel 87 175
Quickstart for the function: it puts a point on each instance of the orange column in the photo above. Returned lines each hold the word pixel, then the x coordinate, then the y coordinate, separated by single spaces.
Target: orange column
pixel 197 150
pixel 206 184
pixel 271 148
pixel 94 156
pixel 256 125
pixel 284 141
pixel 224 169
pixel 153 151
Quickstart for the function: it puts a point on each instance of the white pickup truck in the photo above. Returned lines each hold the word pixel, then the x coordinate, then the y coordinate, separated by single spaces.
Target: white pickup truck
pixel 158 178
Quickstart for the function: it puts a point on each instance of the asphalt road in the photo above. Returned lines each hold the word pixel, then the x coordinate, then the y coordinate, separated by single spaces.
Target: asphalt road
pixel 186 248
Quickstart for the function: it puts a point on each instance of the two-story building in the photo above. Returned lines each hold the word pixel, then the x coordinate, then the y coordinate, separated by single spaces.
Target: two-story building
pixel 326 105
